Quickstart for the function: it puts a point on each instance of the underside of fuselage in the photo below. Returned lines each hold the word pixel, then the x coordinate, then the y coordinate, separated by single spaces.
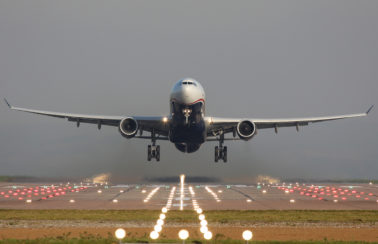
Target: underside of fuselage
pixel 187 127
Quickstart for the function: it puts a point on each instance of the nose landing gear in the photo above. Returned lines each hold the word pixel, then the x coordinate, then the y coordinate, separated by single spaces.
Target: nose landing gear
pixel 220 151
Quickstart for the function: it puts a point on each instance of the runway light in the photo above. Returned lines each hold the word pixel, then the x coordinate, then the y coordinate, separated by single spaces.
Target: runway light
pixel 99 191
pixel 335 201
pixel 162 216
pixel 164 210
pixel 144 191
pixel 121 191
pixel 292 201
pixel 201 217
pixel 165 119
pixel 249 200
pixel 203 222
pixel 158 228
pixel 247 235
pixel 72 201
pixel 154 235
pixel 183 234
pixel 120 233
pixel 28 201
pixel 115 200
pixel 160 222
pixel 199 210
pixel 264 191
pixel 204 229
pixel 208 235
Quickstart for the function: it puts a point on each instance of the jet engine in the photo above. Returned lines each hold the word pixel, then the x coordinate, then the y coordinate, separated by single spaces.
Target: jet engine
pixel 128 127
pixel 187 147
pixel 246 129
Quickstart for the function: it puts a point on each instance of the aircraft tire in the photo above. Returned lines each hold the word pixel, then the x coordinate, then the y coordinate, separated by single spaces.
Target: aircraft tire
pixel 225 155
pixel 149 153
pixel 216 156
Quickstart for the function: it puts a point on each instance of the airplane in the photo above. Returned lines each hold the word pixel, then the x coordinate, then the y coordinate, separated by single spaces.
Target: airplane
pixel 187 126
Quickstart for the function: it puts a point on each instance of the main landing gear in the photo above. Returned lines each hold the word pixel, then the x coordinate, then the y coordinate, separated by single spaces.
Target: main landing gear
pixel 153 151
pixel 220 151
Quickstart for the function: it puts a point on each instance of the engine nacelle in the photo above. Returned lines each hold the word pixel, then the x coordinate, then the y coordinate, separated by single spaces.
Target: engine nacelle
pixel 128 127
pixel 246 129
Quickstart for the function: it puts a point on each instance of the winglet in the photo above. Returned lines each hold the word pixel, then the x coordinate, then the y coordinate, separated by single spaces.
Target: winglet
pixel 367 112
pixel 7 103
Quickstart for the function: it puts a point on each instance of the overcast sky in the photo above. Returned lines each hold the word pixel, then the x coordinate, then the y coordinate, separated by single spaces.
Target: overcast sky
pixel 258 59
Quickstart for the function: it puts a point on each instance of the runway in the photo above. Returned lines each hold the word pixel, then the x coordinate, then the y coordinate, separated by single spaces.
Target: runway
pixel 289 196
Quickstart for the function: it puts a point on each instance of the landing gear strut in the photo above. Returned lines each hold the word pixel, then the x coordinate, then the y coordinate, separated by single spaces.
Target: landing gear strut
pixel 220 151
pixel 153 151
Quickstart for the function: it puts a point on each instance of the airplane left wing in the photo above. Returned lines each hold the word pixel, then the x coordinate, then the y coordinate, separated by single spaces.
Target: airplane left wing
pixel 147 123
pixel 228 125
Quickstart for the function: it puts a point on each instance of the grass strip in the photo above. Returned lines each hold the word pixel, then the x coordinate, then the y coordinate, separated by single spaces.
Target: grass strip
pixel 218 216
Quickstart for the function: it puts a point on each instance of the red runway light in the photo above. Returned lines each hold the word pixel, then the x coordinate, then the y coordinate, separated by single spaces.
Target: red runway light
pixel 370 194
pixel 44 198
pixel 336 196
pixel 29 196
pixel 344 198
pixel 366 198
pixel 6 196
pixel 358 196
pixel 313 195
pixel 20 198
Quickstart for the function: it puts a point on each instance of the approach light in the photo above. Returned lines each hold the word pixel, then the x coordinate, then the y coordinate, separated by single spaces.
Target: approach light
pixel 247 235
pixel 154 235
pixel 199 210
pixel 164 210
pixel 162 216
pixel 204 229
pixel 201 217
pixel 183 234
pixel 158 228
pixel 208 235
pixel 160 222
pixel 203 222
pixel 120 233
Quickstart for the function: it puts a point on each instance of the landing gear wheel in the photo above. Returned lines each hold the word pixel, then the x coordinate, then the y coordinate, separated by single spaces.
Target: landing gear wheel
pixel 224 155
pixel 216 154
pixel 149 153
pixel 157 155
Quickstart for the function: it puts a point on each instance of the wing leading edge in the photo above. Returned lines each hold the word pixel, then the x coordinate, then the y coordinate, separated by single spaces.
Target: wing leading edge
pixel 147 123
pixel 227 124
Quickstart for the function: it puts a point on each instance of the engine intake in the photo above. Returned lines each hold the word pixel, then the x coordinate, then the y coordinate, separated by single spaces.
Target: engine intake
pixel 246 129
pixel 128 127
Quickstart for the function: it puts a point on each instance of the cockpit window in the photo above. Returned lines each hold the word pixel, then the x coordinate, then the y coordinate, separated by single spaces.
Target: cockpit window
pixel 189 83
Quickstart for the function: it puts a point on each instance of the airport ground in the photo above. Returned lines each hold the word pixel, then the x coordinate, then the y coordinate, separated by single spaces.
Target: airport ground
pixel 285 212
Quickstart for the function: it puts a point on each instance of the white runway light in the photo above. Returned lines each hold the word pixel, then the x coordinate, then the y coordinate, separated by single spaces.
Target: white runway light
pixel 115 200
pixel 183 234
pixel 158 228
pixel 247 235
pixel 292 201
pixel 215 196
pixel 162 216
pixel 151 194
pixel 28 201
pixel 154 235
pixel 204 229
pixel 208 235
pixel 120 233
pixel 72 201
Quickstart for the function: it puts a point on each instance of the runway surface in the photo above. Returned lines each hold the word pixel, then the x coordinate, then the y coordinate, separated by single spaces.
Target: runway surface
pixel 287 196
